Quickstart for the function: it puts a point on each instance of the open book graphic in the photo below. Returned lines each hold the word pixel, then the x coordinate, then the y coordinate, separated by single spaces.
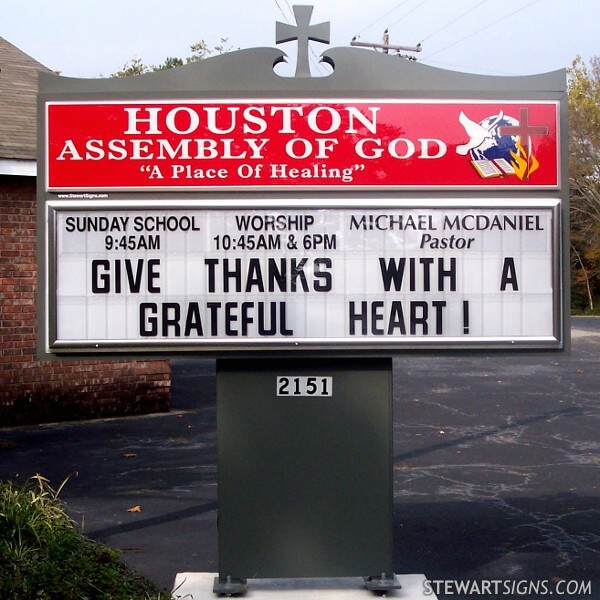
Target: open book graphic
pixel 493 168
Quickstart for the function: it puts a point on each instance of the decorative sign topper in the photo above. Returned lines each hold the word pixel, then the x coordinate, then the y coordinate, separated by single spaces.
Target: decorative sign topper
pixel 303 32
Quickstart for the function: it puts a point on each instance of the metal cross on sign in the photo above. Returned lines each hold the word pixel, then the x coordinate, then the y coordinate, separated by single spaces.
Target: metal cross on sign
pixel 524 130
pixel 303 31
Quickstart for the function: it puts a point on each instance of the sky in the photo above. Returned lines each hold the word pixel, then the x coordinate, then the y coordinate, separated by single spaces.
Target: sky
pixel 93 38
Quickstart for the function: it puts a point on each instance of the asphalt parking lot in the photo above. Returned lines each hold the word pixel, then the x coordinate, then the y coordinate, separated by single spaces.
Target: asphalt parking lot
pixel 495 471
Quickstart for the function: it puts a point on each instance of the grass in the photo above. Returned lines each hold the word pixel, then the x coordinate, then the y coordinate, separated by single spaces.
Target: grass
pixel 43 556
pixel 586 312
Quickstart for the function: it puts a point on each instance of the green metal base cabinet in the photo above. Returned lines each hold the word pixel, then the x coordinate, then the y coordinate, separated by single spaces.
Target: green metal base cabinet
pixel 305 468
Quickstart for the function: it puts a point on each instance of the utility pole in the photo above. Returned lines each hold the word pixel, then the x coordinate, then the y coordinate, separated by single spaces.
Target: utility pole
pixel 386 46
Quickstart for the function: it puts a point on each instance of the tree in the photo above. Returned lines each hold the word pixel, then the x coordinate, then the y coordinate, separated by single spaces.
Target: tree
pixel 200 50
pixel 584 180
pixel 133 67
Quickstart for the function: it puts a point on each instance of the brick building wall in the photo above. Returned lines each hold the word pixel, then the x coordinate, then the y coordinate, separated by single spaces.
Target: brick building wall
pixel 33 391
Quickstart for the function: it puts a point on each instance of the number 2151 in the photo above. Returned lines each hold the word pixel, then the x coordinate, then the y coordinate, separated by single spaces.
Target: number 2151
pixel 296 385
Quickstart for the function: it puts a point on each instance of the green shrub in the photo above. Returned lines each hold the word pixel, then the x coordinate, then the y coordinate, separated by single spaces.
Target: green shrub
pixel 43 556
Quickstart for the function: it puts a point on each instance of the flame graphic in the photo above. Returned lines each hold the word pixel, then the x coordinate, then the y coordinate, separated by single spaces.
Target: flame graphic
pixel 523 165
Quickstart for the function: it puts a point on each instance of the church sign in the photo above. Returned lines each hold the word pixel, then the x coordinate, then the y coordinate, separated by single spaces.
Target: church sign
pixel 221 207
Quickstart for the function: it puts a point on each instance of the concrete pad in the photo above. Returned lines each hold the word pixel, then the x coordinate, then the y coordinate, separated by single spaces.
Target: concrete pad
pixel 199 586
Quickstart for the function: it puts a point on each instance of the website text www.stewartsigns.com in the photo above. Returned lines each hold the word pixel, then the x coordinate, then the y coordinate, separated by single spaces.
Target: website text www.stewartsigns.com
pixel 510 588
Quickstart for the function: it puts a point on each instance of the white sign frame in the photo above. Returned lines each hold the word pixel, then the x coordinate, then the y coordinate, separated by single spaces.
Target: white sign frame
pixel 553 339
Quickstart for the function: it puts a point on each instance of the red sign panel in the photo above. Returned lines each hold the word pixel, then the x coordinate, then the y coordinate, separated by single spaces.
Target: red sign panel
pixel 328 144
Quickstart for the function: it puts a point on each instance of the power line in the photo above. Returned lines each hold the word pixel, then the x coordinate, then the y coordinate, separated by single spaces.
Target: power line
pixel 482 29
pixel 281 11
pixel 408 13
pixel 318 64
pixel 381 18
pixel 290 9
pixel 386 46
pixel 317 61
pixel 453 21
